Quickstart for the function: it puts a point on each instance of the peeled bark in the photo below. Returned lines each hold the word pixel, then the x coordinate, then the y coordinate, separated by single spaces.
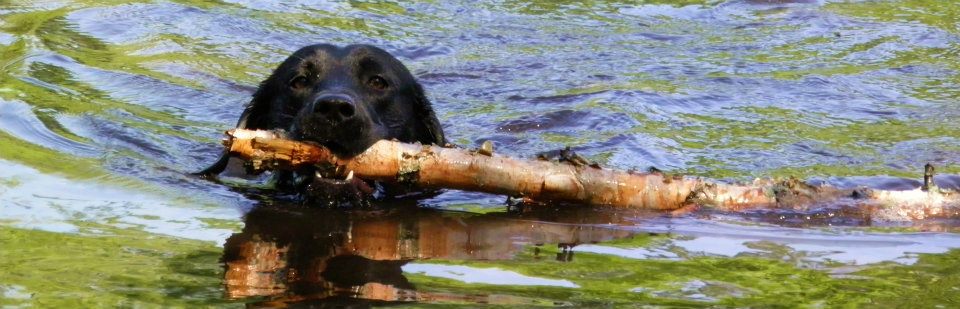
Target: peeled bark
pixel 431 166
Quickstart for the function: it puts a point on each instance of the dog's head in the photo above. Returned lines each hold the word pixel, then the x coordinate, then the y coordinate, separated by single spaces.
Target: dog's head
pixel 344 98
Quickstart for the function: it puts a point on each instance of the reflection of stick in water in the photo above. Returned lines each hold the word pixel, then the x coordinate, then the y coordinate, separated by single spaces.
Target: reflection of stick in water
pixel 328 253
pixel 439 167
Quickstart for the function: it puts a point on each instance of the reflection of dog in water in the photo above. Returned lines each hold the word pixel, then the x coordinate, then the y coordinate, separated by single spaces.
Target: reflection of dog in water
pixel 326 256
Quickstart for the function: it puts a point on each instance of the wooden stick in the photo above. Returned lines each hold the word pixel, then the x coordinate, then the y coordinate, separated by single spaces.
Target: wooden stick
pixel 431 166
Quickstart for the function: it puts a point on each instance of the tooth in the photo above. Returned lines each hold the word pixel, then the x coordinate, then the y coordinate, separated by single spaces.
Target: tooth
pixel 349 176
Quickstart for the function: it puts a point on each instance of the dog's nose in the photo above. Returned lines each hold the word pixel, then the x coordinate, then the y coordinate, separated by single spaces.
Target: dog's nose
pixel 335 107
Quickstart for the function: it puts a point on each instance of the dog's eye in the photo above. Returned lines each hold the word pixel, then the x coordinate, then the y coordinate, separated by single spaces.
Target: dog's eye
pixel 377 82
pixel 299 82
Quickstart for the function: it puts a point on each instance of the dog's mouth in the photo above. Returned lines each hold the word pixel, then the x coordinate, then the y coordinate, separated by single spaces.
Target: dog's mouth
pixel 336 185
pixel 345 139
pixel 327 173
pixel 336 175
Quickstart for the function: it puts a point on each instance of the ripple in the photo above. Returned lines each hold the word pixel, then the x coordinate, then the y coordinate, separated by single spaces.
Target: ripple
pixel 130 23
pixel 543 122
pixel 289 6
pixel 189 103
pixel 17 119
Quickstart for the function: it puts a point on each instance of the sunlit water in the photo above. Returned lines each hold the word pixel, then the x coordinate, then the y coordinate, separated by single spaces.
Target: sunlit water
pixel 106 106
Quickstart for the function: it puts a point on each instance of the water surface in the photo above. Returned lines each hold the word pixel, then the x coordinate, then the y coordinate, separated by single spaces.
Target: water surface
pixel 106 106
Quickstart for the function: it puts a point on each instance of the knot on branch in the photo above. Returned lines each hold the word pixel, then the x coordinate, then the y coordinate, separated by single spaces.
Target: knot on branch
pixel 410 166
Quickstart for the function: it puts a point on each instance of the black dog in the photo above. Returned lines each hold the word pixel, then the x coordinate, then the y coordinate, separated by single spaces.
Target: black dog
pixel 344 98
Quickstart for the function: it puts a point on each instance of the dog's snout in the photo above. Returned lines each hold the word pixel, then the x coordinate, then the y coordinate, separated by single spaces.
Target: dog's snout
pixel 335 107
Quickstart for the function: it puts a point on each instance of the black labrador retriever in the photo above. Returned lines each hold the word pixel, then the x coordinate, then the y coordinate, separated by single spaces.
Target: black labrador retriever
pixel 344 98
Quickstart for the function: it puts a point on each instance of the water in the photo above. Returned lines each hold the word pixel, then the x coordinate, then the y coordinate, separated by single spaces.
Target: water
pixel 106 106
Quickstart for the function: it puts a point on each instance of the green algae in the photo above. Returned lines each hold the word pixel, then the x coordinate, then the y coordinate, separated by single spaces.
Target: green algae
pixel 109 268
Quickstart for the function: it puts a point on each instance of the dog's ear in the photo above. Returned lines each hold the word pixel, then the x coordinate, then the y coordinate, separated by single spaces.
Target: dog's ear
pixel 428 122
pixel 255 116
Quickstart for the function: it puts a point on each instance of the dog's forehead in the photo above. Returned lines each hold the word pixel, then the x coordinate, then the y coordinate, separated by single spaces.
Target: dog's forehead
pixel 314 60
pixel 326 56
pixel 324 60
